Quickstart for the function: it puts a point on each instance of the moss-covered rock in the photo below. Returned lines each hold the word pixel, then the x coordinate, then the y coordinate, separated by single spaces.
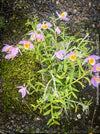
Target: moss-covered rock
pixel 15 73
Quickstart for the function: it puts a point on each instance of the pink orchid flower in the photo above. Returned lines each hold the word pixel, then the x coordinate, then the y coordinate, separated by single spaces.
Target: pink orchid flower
pixel 32 36
pixel 39 37
pixel 23 90
pixel 6 48
pixel 92 59
pixel 27 44
pixel 63 16
pixel 15 50
pixel 10 56
pixel 12 53
pixel 95 80
pixel 58 30
pixel 95 68
pixel 45 25
pixel 72 56
pixel 59 54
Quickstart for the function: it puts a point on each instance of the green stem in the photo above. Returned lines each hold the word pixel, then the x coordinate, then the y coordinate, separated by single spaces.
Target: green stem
pixel 83 39
pixel 52 112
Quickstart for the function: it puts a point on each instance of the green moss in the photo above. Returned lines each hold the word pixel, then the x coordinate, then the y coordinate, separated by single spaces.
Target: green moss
pixel 15 73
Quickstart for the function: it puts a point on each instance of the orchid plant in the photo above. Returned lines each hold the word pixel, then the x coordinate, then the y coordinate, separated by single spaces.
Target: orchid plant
pixel 63 65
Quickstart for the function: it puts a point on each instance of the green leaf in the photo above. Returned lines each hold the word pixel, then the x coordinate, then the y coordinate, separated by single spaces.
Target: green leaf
pixel 48 112
pixel 33 105
pixel 58 81
pixel 80 65
pixel 87 79
pixel 46 59
pixel 74 95
pixel 60 77
pixel 54 122
pixel 52 30
pixel 71 76
pixel 56 107
pixel 71 105
pixel 39 83
pixel 67 79
pixel 42 71
pixel 48 36
pixel 50 120
pixel 65 66
pixel 81 84
pixel 79 74
pixel 76 107
pixel 75 89
pixel 58 100
pixel 47 105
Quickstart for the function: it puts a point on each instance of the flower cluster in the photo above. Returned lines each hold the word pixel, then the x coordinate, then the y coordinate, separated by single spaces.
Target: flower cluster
pixel 11 51
pixel 95 80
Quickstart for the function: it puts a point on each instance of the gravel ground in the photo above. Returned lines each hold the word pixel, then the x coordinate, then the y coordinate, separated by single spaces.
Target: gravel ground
pixel 83 14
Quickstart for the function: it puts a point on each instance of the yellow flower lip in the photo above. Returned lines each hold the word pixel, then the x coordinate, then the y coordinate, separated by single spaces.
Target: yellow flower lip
pixel 38 38
pixel 97 79
pixel 98 68
pixel 8 50
pixel 12 56
pixel 44 26
pixel 27 45
pixel 91 60
pixel 32 36
pixel 63 14
pixel 23 90
pixel 73 57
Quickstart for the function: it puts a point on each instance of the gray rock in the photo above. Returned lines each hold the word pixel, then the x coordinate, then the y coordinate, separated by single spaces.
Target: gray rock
pixel 37 130
pixel 74 11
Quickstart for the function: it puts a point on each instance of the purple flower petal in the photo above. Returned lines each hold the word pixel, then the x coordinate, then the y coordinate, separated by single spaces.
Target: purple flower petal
pixel 27 44
pixel 31 46
pixel 92 59
pixel 58 30
pixel 49 24
pixel 20 87
pixel 10 56
pixel 95 80
pixel 39 26
pixel 72 54
pixel 23 90
pixel 23 42
pixel 52 56
pixel 23 94
pixel 30 33
pixel 95 57
pixel 6 48
pixel 64 18
pixel 59 54
pixel 86 60
pixel 95 68
pixel 58 14
pixel 39 36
